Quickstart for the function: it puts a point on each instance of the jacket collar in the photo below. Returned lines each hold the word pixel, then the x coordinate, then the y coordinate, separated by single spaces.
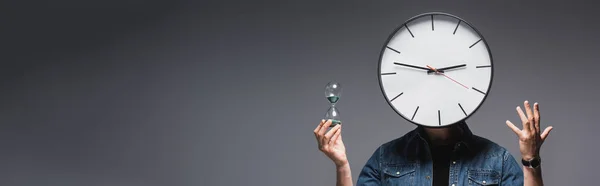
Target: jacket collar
pixel 466 138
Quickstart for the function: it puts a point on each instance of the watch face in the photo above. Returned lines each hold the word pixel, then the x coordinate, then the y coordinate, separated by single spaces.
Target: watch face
pixel 435 70
pixel 534 163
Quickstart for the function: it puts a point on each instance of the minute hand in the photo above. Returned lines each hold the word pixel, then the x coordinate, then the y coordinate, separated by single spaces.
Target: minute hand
pixel 412 66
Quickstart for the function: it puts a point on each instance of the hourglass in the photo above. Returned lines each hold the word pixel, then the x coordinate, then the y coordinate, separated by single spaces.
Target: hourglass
pixel 333 91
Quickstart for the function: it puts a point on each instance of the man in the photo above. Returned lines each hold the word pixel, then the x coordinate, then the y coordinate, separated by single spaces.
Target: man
pixel 443 156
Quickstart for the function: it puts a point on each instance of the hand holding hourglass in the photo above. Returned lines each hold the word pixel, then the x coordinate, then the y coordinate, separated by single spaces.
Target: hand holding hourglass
pixel 329 131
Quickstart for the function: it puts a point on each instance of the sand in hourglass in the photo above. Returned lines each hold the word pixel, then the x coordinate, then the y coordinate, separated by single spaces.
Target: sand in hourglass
pixel 333 99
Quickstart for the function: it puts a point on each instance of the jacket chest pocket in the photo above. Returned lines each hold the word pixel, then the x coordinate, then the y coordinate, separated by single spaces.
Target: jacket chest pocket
pixel 483 177
pixel 399 174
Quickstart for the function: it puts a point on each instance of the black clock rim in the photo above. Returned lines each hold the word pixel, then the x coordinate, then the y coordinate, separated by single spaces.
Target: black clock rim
pixel 391 35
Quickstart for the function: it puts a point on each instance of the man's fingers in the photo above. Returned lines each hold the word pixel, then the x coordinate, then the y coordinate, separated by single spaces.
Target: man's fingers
pixel 316 131
pixel 529 113
pixel 546 132
pixel 331 132
pixel 324 127
pixel 321 132
pixel 526 125
pixel 528 110
pixel 336 135
pixel 536 117
pixel 513 127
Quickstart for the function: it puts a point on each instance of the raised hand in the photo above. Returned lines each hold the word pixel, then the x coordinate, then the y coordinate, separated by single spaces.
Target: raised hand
pixel 530 139
pixel 330 142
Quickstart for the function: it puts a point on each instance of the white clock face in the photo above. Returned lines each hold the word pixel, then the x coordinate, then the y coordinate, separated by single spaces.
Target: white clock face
pixel 435 70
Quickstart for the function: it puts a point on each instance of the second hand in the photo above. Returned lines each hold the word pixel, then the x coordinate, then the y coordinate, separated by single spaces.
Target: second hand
pixel 437 72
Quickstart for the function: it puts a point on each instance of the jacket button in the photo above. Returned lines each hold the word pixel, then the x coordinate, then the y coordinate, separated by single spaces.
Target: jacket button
pixel 453 184
pixel 453 162
pixel 427 177
pixel 483 182
pixel 398 172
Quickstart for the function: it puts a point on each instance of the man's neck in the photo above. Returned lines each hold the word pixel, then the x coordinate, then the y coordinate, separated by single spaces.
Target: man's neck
pixel 443 136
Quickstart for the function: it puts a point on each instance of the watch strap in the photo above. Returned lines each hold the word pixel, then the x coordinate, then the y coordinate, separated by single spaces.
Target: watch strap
pixel 532 163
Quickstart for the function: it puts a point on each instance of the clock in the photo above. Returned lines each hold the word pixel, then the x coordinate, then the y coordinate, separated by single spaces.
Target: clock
pixel 435 70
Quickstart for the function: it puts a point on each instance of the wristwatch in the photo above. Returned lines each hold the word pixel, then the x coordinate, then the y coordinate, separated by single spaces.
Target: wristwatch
pixel 533 163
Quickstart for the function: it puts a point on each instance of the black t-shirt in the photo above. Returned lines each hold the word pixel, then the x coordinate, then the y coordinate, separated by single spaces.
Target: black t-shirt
pixel 441 156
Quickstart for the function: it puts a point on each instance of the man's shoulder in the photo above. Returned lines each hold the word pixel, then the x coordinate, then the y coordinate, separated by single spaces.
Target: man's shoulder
pixel 488 147
pixel 399 147
pixel 400 141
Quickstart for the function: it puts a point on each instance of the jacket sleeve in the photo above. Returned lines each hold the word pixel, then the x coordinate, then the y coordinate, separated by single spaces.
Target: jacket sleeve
pixel 512 174
pixel 371 173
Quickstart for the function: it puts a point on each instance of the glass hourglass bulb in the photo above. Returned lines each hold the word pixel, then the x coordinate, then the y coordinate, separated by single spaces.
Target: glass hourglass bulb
pixel 334 115
pixel 333 92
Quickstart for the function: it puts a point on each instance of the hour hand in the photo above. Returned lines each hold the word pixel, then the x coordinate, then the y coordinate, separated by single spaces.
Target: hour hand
pixel 451 67
pixel 412 66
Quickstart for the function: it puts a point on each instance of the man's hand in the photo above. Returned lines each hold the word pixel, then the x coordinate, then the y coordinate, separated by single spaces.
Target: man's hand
pixel 330 142
pixel 530 139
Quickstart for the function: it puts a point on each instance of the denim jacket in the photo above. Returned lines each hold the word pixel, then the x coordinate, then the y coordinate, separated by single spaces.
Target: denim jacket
pixel 407 161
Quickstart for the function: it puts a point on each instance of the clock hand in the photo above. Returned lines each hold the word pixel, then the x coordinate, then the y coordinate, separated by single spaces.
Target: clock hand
pixel 452 67
pixel 412 66
pixel 441 70
pixel 438 72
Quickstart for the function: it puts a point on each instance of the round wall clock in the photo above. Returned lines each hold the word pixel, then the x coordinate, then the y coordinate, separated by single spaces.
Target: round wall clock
pixel 435 70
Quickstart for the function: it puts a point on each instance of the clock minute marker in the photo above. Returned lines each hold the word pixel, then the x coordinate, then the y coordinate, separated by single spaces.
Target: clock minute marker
pixel 478 90
pixel 483 66
pixel 396 96
pixel 475 43
pixel 392 49
pixel 453 33
pixel 390 73
pixel 439 118
pixel 413 117
pixel 461 108
pixel 432 22
pixel 411 34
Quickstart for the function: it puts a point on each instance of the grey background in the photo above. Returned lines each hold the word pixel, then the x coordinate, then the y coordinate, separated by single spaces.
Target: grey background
pixel 228 93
